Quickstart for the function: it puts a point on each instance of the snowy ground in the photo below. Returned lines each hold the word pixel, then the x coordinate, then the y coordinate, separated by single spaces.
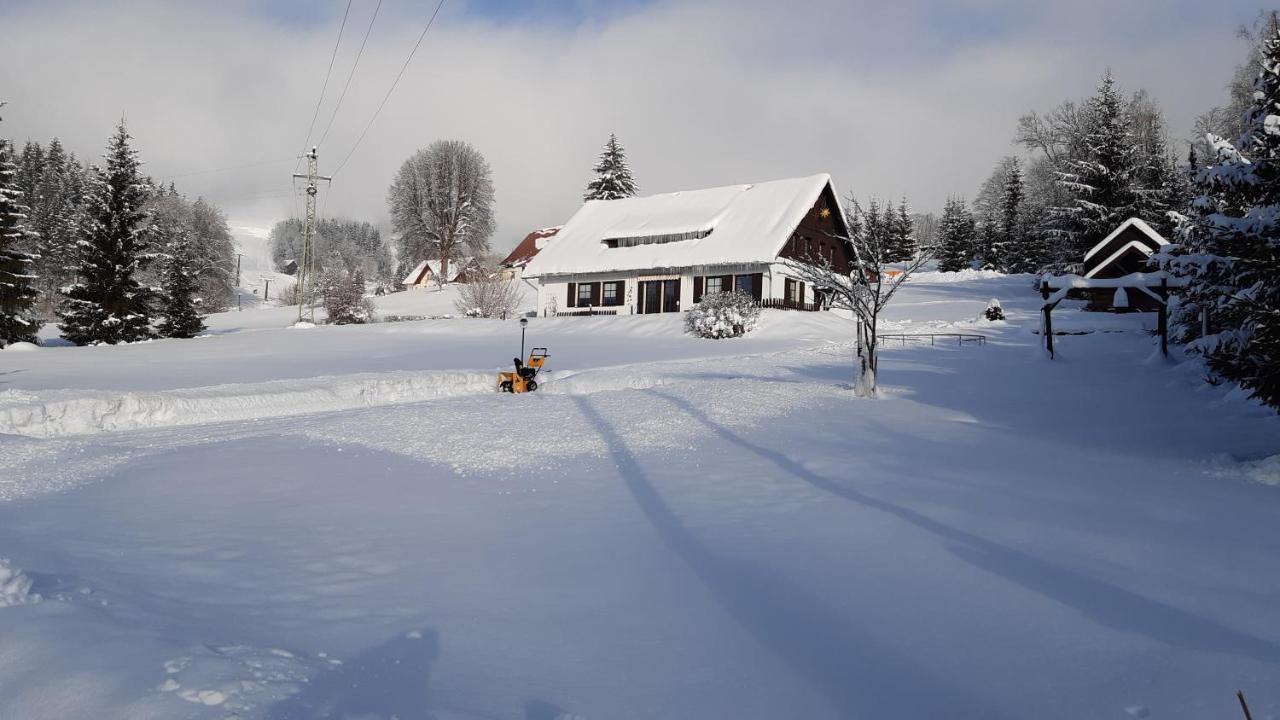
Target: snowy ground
pixel 351 524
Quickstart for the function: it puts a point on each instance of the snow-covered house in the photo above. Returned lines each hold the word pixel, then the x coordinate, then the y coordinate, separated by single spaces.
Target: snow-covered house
pixel 512 266
pixel 1125 251
pixel 663 253
pixel 427 273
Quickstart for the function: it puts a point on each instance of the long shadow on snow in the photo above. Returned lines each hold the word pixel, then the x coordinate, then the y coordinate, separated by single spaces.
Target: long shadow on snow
pixel 857 674
pixel 390 680
pixel 1100 601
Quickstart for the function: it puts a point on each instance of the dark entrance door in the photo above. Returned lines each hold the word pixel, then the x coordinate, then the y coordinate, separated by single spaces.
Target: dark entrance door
pixel 670 296
pixel 658 296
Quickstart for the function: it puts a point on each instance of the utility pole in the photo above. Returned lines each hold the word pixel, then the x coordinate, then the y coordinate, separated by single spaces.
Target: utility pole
pixel 238 256
pixel 305 269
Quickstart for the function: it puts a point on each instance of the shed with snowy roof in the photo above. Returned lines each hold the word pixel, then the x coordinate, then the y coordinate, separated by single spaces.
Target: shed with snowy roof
pixel 1125 251
pixel 664 253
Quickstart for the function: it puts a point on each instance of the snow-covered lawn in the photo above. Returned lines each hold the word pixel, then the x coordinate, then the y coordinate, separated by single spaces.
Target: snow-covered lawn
pixel 348 522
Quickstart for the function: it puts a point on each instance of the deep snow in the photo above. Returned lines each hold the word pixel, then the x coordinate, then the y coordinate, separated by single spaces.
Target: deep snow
pixel 675 528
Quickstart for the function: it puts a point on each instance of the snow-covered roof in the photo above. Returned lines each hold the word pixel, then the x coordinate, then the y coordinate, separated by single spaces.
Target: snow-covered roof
pixel 455 268
pixel 718 226
pixel 412 277
pixel 1156 239
pixel 531 245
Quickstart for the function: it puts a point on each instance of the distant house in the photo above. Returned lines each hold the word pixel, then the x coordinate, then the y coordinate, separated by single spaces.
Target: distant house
pixel 664 253
pixel 512 266
pixel 427 273
pixel 1125 251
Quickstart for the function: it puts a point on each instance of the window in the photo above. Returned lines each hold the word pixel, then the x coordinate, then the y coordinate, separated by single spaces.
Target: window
pixel 584 294
pixel 742 283
pixel 611 293
pixel 634 240
pixel 713 285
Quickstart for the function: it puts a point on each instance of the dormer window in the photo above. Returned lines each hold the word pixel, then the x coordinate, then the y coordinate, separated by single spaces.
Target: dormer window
pixel 634 240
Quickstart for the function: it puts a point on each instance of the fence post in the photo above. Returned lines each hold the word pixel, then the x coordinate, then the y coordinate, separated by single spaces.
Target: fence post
pixel 1162 318
pixel 1048 318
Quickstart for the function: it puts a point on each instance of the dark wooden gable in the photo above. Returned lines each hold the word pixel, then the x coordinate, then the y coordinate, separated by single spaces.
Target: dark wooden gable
pixel 1130 261
pixel 820 234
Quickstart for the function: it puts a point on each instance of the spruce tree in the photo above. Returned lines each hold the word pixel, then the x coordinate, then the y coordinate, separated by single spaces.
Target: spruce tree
pixel 17 291
pixel 1102 184
pixel 613 179
pixel 179 304
pixel 958 235
pixel 1019 249
pixel 56 222
pixel 108 304
pixel 900 232
pixel 1231 246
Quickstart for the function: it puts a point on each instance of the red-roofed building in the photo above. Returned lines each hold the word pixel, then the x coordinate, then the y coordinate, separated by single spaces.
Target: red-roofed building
pixel 532 243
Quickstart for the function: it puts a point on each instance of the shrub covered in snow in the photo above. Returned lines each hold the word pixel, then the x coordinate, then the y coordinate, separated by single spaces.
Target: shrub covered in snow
pixel 994 311
pixel 722 315
pixel 15 587
pixel 490 298
pixel 344 299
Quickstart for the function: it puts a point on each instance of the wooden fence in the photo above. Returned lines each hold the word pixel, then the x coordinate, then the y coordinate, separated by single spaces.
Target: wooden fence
pixel 786 304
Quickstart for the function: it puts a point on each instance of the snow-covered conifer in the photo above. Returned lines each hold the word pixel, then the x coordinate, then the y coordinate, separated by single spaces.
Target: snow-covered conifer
pixel 1102 183
pixel 17 291
pixel 180 303
pixel 958 235
pixel 613 176
pixel 107 303
pixel 1231 248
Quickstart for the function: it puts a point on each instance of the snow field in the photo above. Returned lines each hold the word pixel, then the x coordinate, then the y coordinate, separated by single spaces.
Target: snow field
pixel 673 528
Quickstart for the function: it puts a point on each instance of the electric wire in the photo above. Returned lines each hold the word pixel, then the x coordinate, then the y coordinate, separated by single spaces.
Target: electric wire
pixel 390 90
pixel 350 75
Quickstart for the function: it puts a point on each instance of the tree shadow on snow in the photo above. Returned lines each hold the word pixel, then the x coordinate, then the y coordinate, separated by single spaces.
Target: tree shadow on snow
pixel 390 680
pixel 1102 602
pixel 857 674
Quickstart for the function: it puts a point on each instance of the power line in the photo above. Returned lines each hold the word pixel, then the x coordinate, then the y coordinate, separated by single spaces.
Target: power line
pixel 350 75
pixel 392 89
pixel 230 167
pixel 319 101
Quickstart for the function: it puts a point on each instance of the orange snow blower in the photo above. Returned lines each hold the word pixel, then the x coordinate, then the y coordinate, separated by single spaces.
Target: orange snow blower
pixel 522 380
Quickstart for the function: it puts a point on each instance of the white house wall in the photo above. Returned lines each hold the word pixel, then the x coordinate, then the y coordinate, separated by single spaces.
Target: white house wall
pixel 553 292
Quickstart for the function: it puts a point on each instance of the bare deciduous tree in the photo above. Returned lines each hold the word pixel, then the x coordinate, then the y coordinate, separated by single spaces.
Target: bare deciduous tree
pixel 866 289
pixel 486 294
pixel 442 203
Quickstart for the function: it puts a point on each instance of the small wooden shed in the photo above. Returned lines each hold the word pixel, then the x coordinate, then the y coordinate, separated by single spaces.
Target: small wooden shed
pixel 1125 251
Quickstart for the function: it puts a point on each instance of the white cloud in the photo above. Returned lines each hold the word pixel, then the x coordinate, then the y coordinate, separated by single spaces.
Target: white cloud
pixel 919 99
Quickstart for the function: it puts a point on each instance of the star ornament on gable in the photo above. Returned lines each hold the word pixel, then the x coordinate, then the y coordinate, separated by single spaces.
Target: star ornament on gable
pixel 824 213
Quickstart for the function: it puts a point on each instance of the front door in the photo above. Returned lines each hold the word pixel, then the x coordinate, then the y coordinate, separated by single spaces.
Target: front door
pixel 657 296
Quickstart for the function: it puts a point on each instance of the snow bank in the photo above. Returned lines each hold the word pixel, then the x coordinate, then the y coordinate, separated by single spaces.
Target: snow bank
pixel 15 587
pixel 1266 471
pixel 61 413
pixel 20 347
pixel 935 276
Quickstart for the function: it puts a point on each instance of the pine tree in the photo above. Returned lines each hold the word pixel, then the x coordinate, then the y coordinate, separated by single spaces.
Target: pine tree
pixel 56 222
pixel 180 305
pixel 901 232
pixel 1019 248
pixel 1103 183
pixel 108 304
pixel 613 179
pixel 959 234
pixel 1231 245
pixel 17 292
